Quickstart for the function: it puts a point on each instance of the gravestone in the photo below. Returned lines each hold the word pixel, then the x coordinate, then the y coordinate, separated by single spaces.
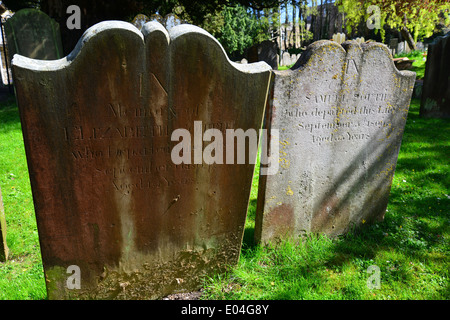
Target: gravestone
pixel 139 20
pixel 339 37
pixel 393 45
pixel 33 34
pixel 3 246
pixel 340 112
pixel 435 100
pixel 112 206
pixel 286 59
pixel 171 20
pixel 265 51
pixel 157 17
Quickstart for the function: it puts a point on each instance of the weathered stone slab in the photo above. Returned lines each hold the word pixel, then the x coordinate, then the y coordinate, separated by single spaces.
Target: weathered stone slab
pixel 33 34
pixel 435 101
pixel 3 246
pixel 98 128
pixel 340 112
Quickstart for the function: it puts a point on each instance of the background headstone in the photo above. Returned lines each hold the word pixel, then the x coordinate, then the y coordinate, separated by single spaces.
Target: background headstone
pixel 171 20
pixel 286 59
pixel 435 101
pixel 139 20
pixel 339 37
pixel 393 45
pixel 340 113
pixel 31 33
pixel 3 245
pixel 108 197
pixel 265 51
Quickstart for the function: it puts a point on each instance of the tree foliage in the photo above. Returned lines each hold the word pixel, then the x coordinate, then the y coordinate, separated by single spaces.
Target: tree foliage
pixel 241 29
pixel 417 17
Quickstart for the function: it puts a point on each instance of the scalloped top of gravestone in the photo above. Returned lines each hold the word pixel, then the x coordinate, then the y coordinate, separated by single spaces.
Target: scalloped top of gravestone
pixel 3 246
pixel 139 20
pixel 340 112
pixel 435 100
pixel 32 33
pixel 109 198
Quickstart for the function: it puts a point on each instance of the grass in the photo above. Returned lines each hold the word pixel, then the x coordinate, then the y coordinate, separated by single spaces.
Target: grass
pixel 411 246
pixel 21 277
pixel 418 65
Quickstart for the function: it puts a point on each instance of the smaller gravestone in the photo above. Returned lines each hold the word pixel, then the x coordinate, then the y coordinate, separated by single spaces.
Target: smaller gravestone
pixel 140 20
pixel 435 101
pixel 157 17
pixel 171 20
pixel 3 246
pixel 340 112
pixel 393 45
pixel 286 59
pixel 420 46
pixel 33 34
pixel 401 48
pixel 339 37
pixel 265 51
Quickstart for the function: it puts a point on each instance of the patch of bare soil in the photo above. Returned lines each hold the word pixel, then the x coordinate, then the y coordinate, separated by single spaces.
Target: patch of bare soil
pixel 195 295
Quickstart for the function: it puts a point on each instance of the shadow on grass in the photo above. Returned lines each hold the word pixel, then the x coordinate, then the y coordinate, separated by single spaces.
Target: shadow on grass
pixel 416 226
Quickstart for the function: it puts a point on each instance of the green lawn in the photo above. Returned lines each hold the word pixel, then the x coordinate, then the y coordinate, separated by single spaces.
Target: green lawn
pixel 419 62
pixel 21 277
pixel 411 247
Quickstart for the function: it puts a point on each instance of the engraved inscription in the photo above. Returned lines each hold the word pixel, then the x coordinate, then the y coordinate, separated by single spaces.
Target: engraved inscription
pixel 326 122
pixel 107 145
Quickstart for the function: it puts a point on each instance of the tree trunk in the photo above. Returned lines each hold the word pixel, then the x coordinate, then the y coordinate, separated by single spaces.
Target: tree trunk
pixel 286 23
pixel 407 35
pixel 320 19
pixel 294 30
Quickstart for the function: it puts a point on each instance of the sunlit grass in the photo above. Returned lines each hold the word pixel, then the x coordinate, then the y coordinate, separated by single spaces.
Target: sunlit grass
pixel 410 247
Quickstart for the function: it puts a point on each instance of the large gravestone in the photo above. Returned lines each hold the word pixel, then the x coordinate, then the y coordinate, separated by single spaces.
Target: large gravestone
pixel 435 101
pixel 340 112
pixel 108 197
pixel 3 246
pixel 33 34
